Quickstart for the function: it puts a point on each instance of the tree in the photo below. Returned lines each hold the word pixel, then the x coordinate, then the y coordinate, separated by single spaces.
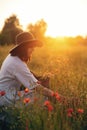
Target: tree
pixel 38 29
pixel 10 29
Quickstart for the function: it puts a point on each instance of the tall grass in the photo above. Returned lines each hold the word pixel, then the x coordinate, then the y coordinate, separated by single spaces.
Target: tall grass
pixel 67 69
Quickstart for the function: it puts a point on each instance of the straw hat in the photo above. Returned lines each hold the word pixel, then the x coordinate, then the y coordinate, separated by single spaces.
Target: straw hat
pixel 26 39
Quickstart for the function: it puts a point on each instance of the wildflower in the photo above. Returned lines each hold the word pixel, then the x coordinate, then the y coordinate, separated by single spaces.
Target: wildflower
pixel 47 103
pixel 80 111
pixel 26 100
pixel 50 108
pixel 19 93
pixel 26 90
pixel 2 93
pixel 69 112
pixel 56 95
pixel 53 94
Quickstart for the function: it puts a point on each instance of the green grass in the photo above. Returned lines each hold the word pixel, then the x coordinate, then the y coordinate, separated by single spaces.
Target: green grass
pixel 67 69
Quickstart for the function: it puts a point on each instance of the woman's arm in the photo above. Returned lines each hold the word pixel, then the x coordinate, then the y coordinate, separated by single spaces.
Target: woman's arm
pixel 43 90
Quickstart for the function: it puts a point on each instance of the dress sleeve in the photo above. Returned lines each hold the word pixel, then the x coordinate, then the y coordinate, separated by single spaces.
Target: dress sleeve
pixel 25 77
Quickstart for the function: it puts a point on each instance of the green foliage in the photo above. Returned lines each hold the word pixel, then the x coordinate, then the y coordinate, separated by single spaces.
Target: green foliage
pixel 10 29
pixel 38 29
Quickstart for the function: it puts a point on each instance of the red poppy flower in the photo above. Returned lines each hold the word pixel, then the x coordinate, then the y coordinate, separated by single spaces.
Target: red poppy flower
pixel 19 93
pixel 2 93
pixel 80 111
pixel 26 90
pixel 50 108
pixel 70 110
pixel 47 103
pixel 69 114
pixel 26 100
pixel 56 95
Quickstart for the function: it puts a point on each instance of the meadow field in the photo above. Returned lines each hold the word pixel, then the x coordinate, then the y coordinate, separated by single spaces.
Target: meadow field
pixel 66 67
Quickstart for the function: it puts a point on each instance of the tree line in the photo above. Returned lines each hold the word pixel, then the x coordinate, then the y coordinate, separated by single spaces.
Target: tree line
pixel 12 27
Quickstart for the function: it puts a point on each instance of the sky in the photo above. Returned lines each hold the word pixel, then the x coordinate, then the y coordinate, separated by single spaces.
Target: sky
pixel 63 17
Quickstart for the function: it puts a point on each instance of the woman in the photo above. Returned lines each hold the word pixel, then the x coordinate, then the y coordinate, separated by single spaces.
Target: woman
pixel 15 72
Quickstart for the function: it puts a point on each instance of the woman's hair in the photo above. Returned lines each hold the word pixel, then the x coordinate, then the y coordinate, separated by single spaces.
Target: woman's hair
pixel 22 53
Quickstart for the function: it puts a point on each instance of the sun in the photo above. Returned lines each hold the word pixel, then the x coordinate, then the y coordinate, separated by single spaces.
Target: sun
pixel 63 17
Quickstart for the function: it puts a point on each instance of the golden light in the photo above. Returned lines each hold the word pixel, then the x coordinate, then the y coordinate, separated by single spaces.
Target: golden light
pixel 63 17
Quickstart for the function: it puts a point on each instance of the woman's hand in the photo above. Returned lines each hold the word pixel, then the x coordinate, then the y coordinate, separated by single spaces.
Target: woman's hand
pixel 43 90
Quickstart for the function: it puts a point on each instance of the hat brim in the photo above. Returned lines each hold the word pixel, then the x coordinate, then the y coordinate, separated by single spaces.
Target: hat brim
pixel 30 43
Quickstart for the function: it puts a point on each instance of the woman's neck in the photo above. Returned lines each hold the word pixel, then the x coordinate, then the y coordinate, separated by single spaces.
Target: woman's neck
pixel 25 59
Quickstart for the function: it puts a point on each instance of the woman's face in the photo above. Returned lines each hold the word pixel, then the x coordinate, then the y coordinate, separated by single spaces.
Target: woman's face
pixel 30 50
